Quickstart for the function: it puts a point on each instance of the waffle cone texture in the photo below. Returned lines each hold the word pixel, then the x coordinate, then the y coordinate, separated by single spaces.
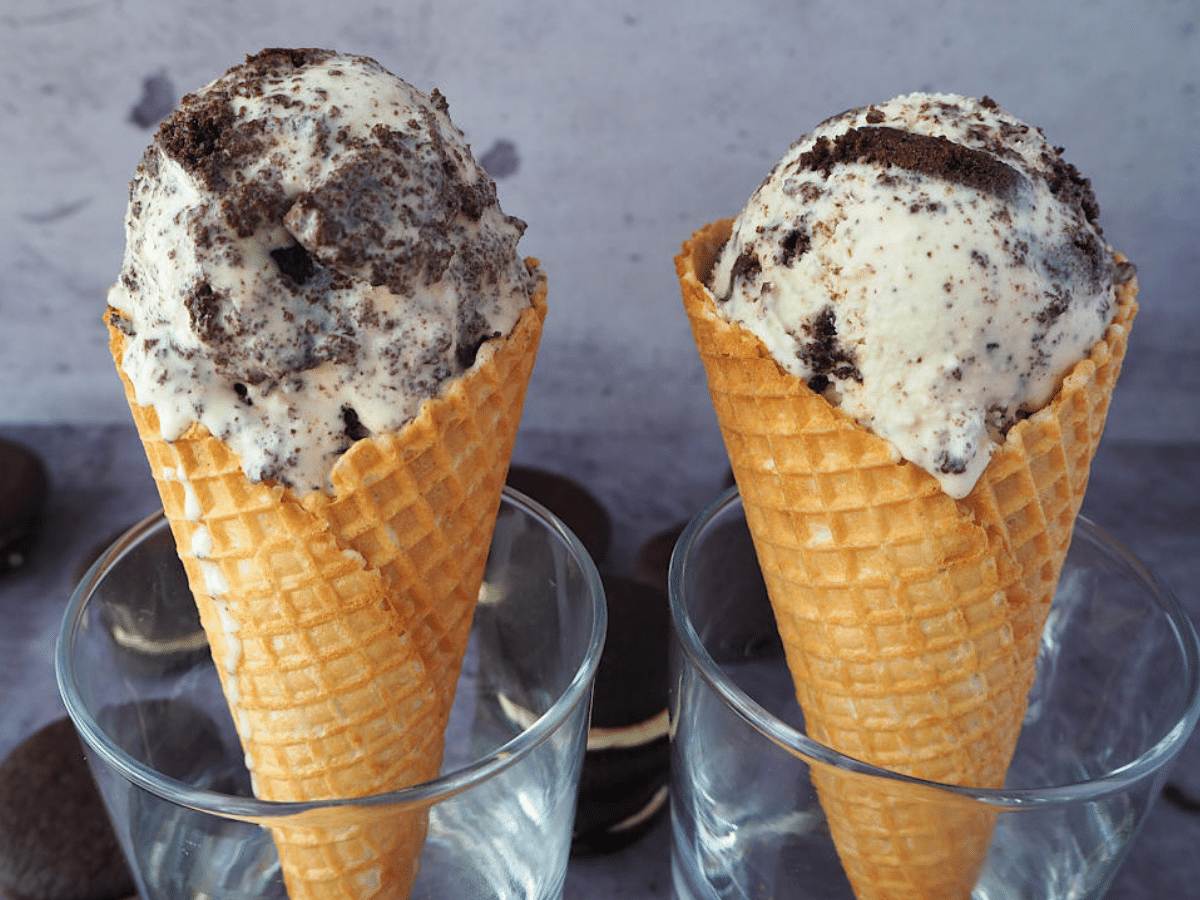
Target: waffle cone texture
pixel 911 621
pixel 338 622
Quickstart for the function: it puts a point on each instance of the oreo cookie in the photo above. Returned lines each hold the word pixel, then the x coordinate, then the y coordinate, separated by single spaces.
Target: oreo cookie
pixel 148 609
pixel 653 561
pixel 623 788
pixel 579 510
pixel 24 487
pixel 56 842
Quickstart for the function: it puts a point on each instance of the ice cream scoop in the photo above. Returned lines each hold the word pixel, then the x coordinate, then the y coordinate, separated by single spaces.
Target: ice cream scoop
pixel 932 265
pixel 311 252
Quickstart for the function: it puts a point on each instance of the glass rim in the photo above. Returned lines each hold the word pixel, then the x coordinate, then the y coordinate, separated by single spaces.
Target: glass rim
pixel 806 748
pixel 252 809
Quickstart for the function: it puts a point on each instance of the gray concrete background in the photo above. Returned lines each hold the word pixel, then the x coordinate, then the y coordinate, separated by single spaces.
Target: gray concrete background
pixel 615 129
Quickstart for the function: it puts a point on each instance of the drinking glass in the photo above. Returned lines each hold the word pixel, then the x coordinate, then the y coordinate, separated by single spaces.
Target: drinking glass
pixel 1117 694
pixel 163 749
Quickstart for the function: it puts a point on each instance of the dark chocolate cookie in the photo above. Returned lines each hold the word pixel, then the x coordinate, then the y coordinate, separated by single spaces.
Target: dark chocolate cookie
pixel 623 788
pixel 56 842
pixel 24 486
pixel 148 610
pixel 654 557
pixel 570 501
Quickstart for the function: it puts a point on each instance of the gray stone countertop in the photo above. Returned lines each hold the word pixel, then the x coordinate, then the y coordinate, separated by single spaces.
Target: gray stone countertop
pixel 1146 495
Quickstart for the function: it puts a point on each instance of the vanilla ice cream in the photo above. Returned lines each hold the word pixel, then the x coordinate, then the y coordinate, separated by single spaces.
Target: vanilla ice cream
pixel 931 265
pixel 311 253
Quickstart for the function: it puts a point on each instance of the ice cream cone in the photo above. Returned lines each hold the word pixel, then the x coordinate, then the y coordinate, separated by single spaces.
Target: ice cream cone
pixel 911 620
pixel 338 622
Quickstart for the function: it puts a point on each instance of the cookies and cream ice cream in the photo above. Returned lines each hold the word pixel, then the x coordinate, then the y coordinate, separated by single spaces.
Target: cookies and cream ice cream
pixel 325 336
pixel 931 265
pixel 311 252
pixel 911 337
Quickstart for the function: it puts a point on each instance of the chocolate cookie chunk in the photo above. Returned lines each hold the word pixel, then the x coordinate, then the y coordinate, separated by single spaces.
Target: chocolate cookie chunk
pixel 56 842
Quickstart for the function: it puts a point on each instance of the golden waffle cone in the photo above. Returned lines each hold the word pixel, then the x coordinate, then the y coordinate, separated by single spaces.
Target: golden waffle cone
pixel 911 621
pixel 344 623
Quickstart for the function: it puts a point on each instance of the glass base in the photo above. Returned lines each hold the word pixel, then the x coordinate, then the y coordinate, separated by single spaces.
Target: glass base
pixel 495 824
pixel 761 810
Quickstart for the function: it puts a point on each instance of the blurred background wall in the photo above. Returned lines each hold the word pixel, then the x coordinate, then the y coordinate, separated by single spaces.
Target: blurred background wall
pixel 614 130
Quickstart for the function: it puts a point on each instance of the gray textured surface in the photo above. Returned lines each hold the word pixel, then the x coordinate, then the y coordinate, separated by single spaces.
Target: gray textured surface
pixel 615 130
pixel 1147 495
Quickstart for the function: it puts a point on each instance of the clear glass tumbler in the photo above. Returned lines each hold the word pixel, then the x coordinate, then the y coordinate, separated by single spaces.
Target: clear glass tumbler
pixel 164 752
pixel 1117 695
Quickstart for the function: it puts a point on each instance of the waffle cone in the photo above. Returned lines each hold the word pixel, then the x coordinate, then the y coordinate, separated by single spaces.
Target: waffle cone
pixel 338 622
pixel 911 621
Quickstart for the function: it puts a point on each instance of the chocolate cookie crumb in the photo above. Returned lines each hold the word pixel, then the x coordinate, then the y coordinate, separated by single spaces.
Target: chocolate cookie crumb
pixel 275 60
pixel 746 268
pixel 196 138
pixel 823 354
pixel 1073 189
pixel 295 263
pixel 950 465
pixel 466 353
pixel 1058 304
pixel 1124 272
pixel 204 307
pixel 936 157
pixel 354 429
pixel 794 244
pixel 120 322
pixel 248 207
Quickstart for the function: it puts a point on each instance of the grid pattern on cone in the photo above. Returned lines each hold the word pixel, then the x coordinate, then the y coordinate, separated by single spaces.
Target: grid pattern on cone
pixel 911 621
pixel 420 507
pixel 1033 487
pixel 897 623
pixel 320 671
pixel 338 624
pixel 358 864
pixel 865 824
